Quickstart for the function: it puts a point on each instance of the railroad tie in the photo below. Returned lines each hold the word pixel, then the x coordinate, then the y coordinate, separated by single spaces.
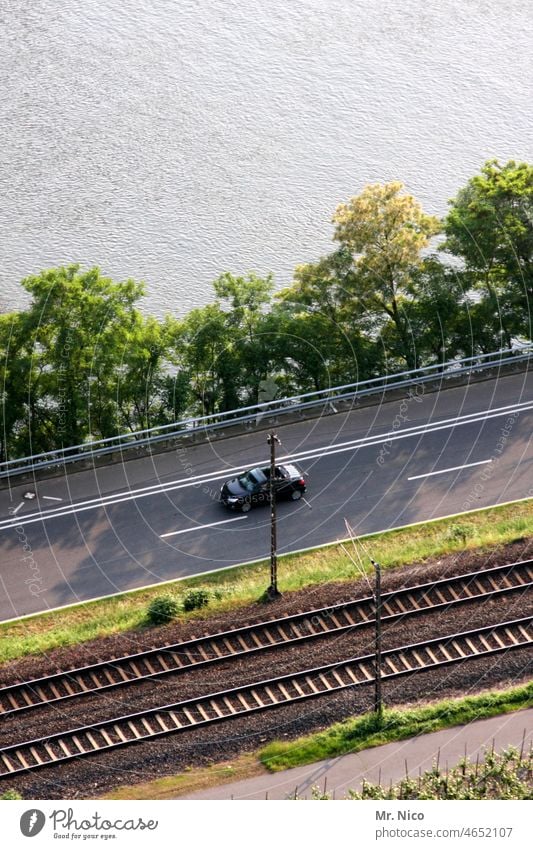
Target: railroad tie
pixel 50 752
pixel 270 694
pixel 228 704
pixel 189 715
pixel 15 705
pixel 284 691
pixel 241 642
pixel 147 726
pixel 512 637
pixel 254 694
pixel 7 763
pixel 107 674
pixel 335 620
pixel 91 740
pixel 64 748
pixel 107 738
pixel 161 660
pixel 202 712
pixel 361 613
pixel 351 674
pixel 458 648
pixel 337 677
pixel 23 760
pixel 55 691
pixel 133 729
pixel 243 701
pixel 216 707
pixel 77 743
pixel 442 598
pixel 149 666
pixel 36 755
pixel 432 656
pixel 444 651
pixel 25 696
pixel 297 687
pixel 498 639
pixel 160 721
pixel 118 731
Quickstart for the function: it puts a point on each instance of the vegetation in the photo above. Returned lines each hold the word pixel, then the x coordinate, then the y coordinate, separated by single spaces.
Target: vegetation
pixel 195 599
pixel 11 794
pixel 504 775
pixel 436 716
pixel 232 588
pixel 364 732
pixel 83 363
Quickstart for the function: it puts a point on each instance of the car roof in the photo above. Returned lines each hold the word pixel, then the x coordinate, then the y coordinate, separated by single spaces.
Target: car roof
pixel 293 470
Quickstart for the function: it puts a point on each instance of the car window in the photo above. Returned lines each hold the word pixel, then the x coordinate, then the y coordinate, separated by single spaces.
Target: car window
pixel 247 482
pixel 257 476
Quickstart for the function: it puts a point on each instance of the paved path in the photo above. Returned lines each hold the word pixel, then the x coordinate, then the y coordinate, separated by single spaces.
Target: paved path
pixel 386 763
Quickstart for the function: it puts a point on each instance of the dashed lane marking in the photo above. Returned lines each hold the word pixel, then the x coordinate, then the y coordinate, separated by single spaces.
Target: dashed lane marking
pixel 201 527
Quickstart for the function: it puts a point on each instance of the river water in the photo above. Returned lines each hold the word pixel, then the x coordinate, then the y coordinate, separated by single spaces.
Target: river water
pixel 171 140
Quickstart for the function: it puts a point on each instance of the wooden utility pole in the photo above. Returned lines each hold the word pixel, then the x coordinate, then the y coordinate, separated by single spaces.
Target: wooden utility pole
pixel 273 591
pixel 378 702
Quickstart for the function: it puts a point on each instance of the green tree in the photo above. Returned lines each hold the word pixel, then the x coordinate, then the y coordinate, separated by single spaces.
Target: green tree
pixel 490 227
pixel 75 331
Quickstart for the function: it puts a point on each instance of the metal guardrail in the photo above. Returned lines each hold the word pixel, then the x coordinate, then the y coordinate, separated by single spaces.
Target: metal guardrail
pixel 269 409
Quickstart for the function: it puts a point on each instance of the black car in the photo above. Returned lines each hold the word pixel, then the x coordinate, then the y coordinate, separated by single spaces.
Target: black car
pixel 253 487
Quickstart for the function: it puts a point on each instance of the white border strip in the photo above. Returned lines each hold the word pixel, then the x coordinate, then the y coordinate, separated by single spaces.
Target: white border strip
pixel 202 527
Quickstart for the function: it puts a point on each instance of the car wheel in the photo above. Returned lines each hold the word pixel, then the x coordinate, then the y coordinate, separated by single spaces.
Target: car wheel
pixel 296 494
pixel 246 506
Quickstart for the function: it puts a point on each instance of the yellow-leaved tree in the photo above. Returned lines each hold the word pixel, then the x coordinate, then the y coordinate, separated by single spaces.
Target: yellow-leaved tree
pixel 385 231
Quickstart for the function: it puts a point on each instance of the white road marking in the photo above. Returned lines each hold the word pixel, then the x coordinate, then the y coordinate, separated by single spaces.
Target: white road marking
pixel 452 469
pixel 310 454
pixel 51 498
pixel 13 512
pixel 201 527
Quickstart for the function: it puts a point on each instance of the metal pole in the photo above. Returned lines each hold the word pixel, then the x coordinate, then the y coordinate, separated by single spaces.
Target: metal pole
pixel 273 591
pixel 378 702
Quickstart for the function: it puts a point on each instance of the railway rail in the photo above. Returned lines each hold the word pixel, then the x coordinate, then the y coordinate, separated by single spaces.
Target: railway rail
pixel 249 639
pixel 262 695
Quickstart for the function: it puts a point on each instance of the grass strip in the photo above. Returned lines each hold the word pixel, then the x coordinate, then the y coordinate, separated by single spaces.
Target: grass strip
pixel 236 587
pixel 192 780
pixel 353 735
pixel 366 732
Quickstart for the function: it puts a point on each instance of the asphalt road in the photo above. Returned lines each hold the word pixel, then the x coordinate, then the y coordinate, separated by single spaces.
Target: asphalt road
pixel 154 519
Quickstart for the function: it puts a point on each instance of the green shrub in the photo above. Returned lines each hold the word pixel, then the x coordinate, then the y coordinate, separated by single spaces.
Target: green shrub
pixel 162 609
pixel 459 533
pixel 195 599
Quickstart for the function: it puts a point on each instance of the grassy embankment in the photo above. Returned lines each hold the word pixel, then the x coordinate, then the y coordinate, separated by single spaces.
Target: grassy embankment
pixel 352 735
pixel 482 529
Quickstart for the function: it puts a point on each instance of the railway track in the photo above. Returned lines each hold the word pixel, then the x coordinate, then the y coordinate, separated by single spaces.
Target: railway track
pixel 297 628
pixel 262 695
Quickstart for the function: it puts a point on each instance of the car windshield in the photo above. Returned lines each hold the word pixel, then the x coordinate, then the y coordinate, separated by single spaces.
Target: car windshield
pixel 251 480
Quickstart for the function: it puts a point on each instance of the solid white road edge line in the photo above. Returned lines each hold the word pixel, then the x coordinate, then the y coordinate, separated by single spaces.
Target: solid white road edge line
pixel 201 527
pixel 208 477
pixel 452 469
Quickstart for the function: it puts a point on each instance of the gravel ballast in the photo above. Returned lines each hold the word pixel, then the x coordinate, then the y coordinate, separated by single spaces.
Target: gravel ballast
pixel 92 776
